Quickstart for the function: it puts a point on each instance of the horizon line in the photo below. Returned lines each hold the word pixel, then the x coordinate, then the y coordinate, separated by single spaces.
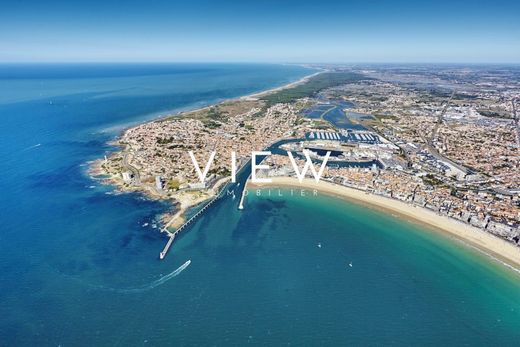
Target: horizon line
pixel 71 62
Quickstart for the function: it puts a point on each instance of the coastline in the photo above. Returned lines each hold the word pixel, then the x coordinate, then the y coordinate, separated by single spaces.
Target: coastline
pixel 483 241
pixel 277 89
pixel 251 96
pixel 175 218
pixel 163 115
pixel 254 95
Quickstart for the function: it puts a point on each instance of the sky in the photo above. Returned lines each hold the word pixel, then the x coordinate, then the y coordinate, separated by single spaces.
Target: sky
pixel 320 31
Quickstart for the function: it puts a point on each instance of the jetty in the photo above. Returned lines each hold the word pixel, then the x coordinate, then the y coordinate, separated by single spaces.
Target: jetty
pixel 171 236
pixel 244 190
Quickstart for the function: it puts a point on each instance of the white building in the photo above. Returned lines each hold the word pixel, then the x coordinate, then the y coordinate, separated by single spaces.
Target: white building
pixel 127 176
pixel 158 183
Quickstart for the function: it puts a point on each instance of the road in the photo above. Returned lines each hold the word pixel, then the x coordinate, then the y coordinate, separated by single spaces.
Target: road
pixel 430 142
pixel 516 117
pixel 136 179
pixel 440 119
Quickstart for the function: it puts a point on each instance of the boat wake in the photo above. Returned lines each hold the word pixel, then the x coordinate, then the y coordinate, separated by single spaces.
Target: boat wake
pixel 149 286
pixel 32 147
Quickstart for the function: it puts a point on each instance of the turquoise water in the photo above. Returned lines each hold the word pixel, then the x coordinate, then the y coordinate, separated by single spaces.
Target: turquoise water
pixel 79 265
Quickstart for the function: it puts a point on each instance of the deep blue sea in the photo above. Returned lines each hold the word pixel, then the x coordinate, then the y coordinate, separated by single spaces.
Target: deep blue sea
pixel 79 263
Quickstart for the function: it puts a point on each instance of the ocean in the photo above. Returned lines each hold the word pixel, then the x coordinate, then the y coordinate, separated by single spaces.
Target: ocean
pixel 79 261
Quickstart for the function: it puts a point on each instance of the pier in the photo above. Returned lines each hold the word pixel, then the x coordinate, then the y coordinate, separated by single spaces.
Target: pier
pixel 184 226
pixel 241 204
pixel 245 174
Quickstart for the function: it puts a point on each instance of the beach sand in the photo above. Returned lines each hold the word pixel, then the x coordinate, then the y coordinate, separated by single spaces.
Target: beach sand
pixel 482 240
pixel 302 80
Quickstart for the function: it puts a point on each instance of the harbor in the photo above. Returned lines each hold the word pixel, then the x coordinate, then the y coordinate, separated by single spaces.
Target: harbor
pixel 228 189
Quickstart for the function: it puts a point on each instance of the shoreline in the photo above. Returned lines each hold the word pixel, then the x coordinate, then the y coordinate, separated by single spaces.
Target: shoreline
pixel 161 116
pixel 179 206
pixel 251 96
pixel 172 113
pixel 483 241
pixel 277 89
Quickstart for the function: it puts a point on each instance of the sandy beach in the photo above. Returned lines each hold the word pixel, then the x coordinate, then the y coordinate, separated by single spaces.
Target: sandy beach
pixel 285 86
pixel 252 96
pixel 482 240
pixel 486 242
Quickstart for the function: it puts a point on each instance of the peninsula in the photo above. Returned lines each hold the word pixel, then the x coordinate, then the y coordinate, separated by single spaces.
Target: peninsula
pixel 451 150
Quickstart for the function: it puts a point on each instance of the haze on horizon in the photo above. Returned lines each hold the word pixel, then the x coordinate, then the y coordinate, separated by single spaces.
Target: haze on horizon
pixel 260 31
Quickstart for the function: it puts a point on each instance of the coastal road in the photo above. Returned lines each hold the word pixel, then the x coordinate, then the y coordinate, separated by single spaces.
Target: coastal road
pixel 136 180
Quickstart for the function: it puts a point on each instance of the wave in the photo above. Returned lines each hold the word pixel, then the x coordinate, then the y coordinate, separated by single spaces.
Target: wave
pixel 511 267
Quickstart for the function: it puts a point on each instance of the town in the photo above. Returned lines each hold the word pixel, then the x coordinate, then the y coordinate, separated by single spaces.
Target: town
pixel 447 141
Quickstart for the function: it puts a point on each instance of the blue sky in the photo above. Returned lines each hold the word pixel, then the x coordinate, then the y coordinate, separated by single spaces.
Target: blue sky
pixel 260 31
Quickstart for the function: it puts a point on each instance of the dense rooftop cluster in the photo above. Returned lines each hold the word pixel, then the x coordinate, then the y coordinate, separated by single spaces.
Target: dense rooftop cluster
pixel 447 140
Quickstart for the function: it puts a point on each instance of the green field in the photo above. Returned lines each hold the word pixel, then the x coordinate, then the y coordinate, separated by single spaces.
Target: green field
pixel 313 86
